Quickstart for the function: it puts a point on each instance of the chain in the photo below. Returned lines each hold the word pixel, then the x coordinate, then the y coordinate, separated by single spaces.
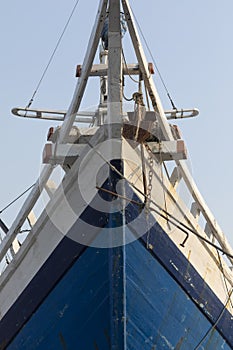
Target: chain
pixel 149 191
pixel 150 173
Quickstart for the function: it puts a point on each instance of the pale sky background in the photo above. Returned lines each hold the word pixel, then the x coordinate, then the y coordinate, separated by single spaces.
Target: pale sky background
pixel 192 44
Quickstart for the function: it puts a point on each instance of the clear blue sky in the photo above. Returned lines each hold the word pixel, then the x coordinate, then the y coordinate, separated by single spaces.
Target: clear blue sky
pixel 192 45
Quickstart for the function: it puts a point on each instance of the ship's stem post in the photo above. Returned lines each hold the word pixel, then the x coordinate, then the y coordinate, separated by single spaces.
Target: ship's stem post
pixel 117 218
pixel 115 65
pixel 103 89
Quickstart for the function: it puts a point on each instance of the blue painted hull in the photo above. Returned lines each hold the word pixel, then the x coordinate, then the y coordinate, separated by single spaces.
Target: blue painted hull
pixel 116 299
pixel 129 297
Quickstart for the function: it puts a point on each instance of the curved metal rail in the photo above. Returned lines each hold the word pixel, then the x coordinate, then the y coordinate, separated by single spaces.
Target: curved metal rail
pixel 87 117
pixel 45 114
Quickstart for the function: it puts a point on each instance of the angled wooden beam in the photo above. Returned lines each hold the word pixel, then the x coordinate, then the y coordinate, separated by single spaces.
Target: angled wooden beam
pixel 66 126
pixel 218 233
pixel 82 82
pixel 25 210
pixel 143 64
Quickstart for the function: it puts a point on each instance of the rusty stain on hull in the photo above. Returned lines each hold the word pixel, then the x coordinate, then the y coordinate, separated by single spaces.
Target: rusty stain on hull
pixel 62 341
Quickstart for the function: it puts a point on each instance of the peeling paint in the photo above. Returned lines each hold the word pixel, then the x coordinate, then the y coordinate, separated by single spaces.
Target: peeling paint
pixel 61 312
pixel 183 318
pixel 62 341
pixel 189 255
pixel 169 345
pixel 180 342
pixel 223 344
pixel 175 267
pixel 167 342
pixel 187 276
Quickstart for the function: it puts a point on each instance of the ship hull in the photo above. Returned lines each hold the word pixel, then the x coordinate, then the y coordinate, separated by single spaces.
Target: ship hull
pixel 141 291
pixel 126 297
pixel 117 258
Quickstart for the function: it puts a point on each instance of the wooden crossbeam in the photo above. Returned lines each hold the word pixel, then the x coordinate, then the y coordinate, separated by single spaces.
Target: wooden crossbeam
pixel 101 70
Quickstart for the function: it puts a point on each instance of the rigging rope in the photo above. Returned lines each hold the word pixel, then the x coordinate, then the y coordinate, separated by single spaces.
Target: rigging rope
pixel 130 76
pixel 123 79
pixel 181 226
pixel 53 54
pixel 224 277
pixel 14 200
pixel 216 322
pixel 155 64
